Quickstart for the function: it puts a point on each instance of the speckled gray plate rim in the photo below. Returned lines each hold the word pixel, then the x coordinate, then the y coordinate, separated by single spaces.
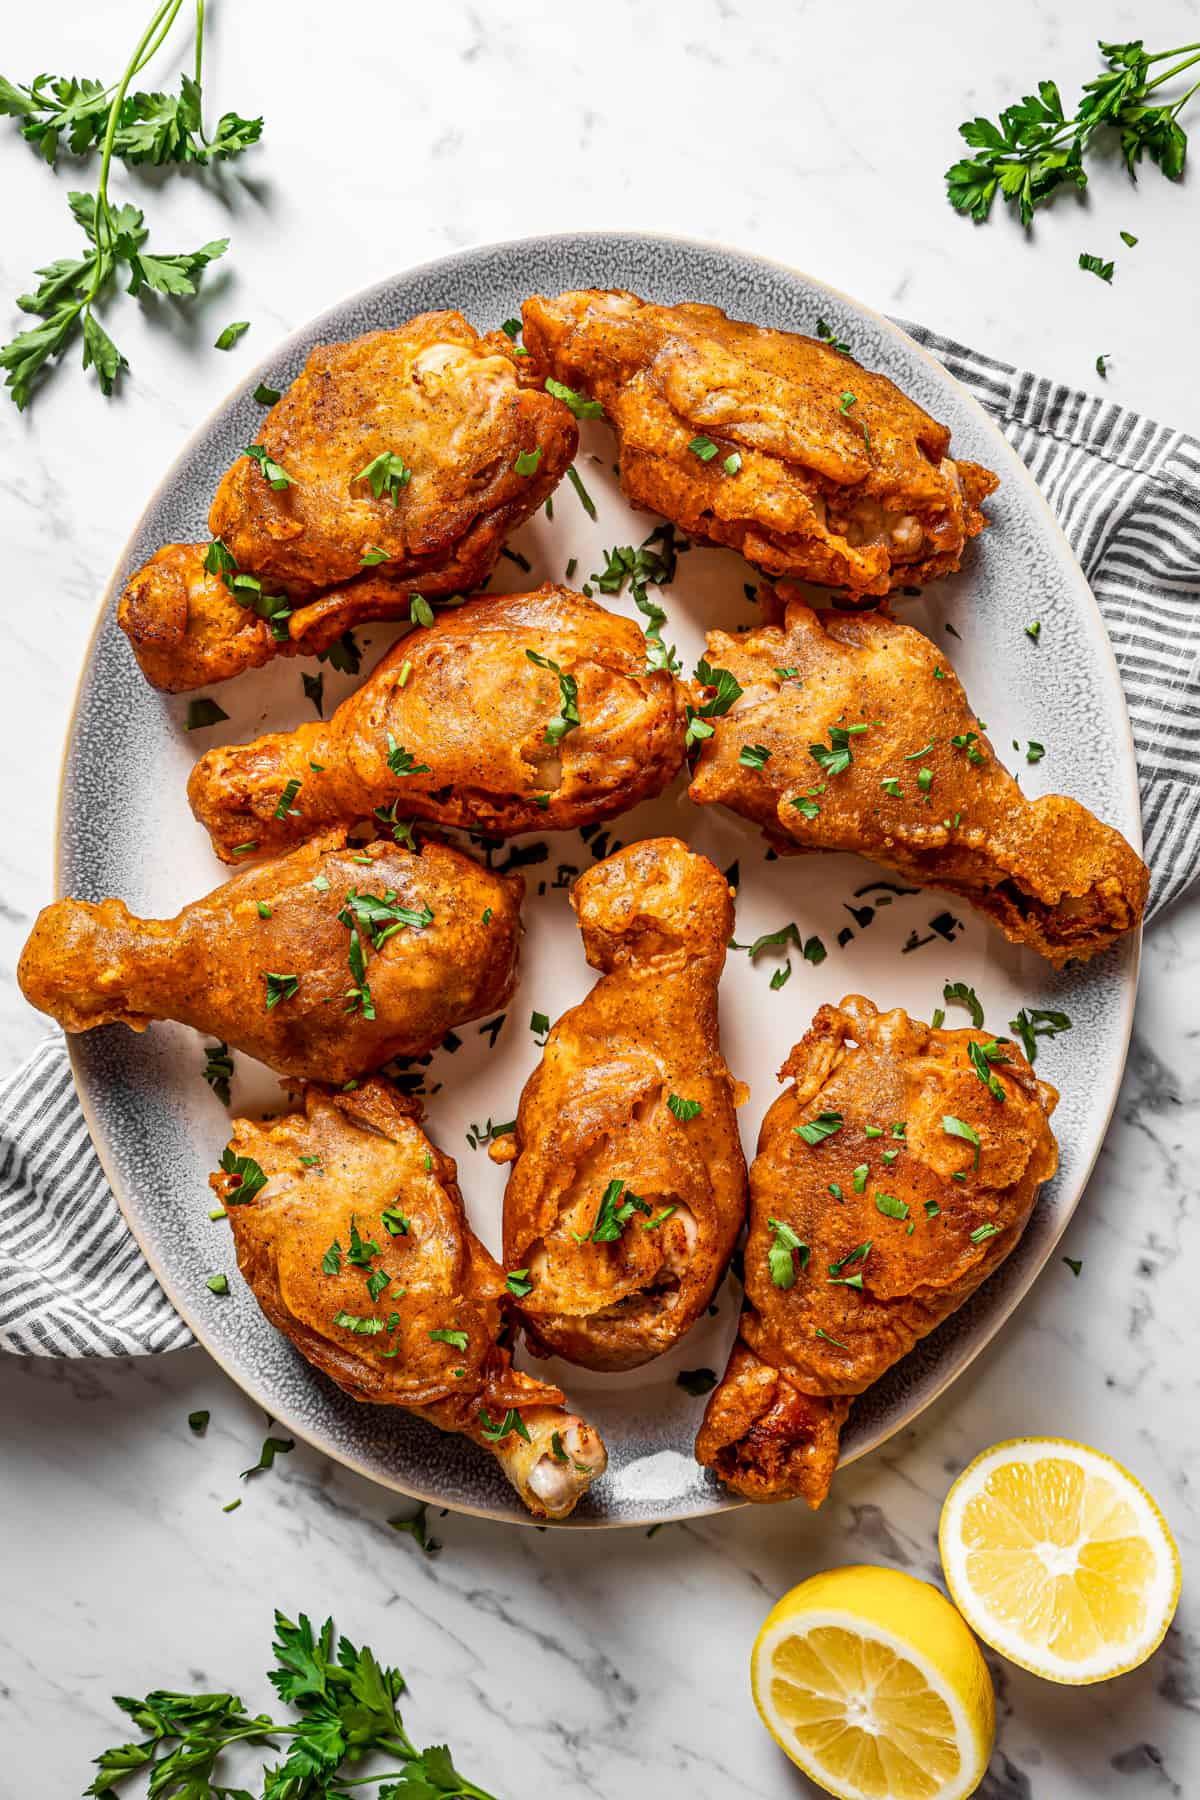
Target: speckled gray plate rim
pixel 157 1138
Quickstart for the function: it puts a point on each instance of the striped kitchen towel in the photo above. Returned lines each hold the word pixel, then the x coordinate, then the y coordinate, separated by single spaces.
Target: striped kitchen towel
pixel 1127 494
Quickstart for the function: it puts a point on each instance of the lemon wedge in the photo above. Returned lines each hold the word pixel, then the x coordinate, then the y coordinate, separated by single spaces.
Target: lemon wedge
pixel 1059 1559
pixel 869 1680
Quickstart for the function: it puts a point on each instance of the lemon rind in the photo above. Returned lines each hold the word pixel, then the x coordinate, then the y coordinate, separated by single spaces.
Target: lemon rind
pixel 1164 1597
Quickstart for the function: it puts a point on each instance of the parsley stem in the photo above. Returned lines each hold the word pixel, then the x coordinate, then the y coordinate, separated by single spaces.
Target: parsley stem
pixel 1170 74
pixel 164 17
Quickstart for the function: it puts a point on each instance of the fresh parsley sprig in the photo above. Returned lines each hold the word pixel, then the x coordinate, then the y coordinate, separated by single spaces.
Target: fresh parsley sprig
pixel 134 128
pixel 347 1705
pixel 1036 149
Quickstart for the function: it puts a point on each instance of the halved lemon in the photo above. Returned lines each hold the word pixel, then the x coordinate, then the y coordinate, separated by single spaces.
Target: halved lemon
pixel 869 1680
pixel 1059 1559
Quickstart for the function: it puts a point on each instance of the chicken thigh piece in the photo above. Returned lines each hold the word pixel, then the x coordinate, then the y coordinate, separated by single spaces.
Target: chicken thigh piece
pixel 399 461
pixel 628 1184
pixel 852 732
pixel 780 446
pixel 326 962
pixel 517 712
pixel 892 1177
pixel 350 1230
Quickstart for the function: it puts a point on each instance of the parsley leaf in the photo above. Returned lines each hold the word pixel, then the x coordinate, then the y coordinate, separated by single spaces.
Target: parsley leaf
pixel 567 717
pixel 512 1421
pixel 582 408
pixel 696 1381
pixel 781 1255
pixel 250 1177
pixel 981 1057
pixel 280 987
pixel 684 1109
pixel 218 1070
pixel 960 1129
pixel 1033 1023
pixel 456 1339
pixel 386 474
pixel 231 334
pixel 825 1125
pixel 272 472
pixel 203 713
pixel 958 993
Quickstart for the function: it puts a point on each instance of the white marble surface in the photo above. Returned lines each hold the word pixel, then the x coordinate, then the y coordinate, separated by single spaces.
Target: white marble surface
pixel 572 1664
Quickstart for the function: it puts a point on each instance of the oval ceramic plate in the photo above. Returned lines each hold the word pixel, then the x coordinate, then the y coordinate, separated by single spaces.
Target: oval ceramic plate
pixel 125 829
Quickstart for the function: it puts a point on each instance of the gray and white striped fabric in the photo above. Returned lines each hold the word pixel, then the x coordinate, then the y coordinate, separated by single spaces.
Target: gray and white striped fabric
pixel 1127 494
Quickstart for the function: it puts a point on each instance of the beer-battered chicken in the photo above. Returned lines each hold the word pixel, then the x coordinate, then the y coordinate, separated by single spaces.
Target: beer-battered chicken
pixel 350 1229
pixel 891 1178
pixel 852 732
pixel 778 445
pixel 399 461
pixel 628 1186
pixel 326 962
pixel 517 712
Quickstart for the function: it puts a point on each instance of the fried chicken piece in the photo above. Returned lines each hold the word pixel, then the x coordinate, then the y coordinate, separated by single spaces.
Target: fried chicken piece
pixel 358 1249
pixel 628 1185
pixel 860 1244
pixel 479 732
pixel 772 443
pixel 870 745
pixel 449 408
pixel 268 960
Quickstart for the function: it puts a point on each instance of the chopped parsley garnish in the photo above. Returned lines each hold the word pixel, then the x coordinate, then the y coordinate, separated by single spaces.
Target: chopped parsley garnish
pixel 581 407
pixel 272 472
pixel 198 1421
pixel 704 448
pixel 1035 752
pixel 958 1128
pixel 394 1222
pixel 890 1206
pixel 859 1253
pixel 733 463
pixel 487 1132
pixel 567 717
pixel 314 690
pixel 982 1056
pixel 781 977
pixel 892 786
pixel 722 689
pixel 807 808
pixel 386 474
pixel 696 1381
pixel 660 1218
pixel 382 915
pixel 457 1339
pixel 585 499
pixel 527 462
pixel 1094 265
pixel 837 758
pixel 512 1421
pixel 203 713
pixel 264 911
pixel 229 337
pixel 781 1256
pixel 830 1340
pixel 612 1215
pixel 1073 1263
pixel 873 1131
pixel 400 761
pixel 829 337
pixel 279 987
pixel 364 1327
pixel 924 780
pixel 754 756
pixel 372 556
pixel 684 1109
pixel 285 806
pixel 421 613
pixel 848 400
pixel 932 1209
pixel 1102 370
pixel 331 1262
pixel 1033 1023
pixel 266 396
pixel 981 1233
pixel 518 1283
pixel 377 1281
pixel 957 993
pixel 1034 631
pixel 858 1177
pixel 250 1177
pixel 825 1125
pixel 217 1284
pixel 539 1024
pixel 218 1070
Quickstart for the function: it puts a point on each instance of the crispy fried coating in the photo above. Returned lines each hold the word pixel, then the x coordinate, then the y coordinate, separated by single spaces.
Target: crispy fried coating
pixel 895 1230
pixel 467 736
pixel 89 965
pixel 922 793
pixel 451 407
pixel 375 1202
pixel 447 403
pixel 623 1212
pixel 836 476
